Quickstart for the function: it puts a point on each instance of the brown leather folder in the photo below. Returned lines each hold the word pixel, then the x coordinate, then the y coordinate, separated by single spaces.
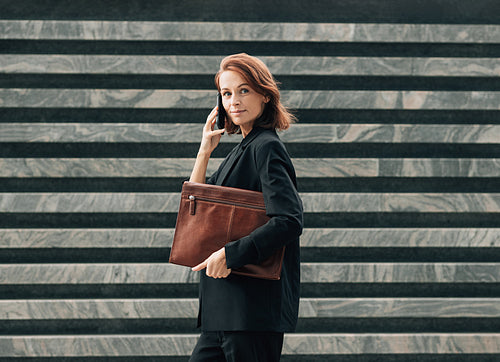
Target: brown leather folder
pixel 210 217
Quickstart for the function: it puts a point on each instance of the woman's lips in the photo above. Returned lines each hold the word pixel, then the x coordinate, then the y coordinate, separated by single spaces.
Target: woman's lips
pixel 238 112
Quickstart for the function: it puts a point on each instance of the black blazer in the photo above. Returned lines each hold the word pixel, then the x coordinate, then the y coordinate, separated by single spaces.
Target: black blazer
pixel 261 163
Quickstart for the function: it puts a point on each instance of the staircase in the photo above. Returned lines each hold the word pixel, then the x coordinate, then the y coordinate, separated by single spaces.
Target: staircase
pixel 397 154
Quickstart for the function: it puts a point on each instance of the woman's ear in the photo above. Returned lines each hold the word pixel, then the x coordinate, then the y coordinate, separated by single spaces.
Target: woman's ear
pixel 267 99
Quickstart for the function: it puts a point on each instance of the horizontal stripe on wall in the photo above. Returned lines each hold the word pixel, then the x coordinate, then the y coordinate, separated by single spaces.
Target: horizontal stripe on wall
pixel 241 31
pixel 393 11
pixel 278 65
pixel 304 167
pixel 255 47
pixel 141 98
pixel 191 133
pixel 77 309
pixel 318 202
pixel 315 345
pixel 311 237
pixel 305 116
pixel 164 273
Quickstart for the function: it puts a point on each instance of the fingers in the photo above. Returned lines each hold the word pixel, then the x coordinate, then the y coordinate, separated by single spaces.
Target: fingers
pixel 200 266
pixel 215 266
pixel 223 273
pixel 210 123
pixel 219 132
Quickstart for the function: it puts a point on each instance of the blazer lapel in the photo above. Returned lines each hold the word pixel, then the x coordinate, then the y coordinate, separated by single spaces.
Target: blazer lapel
pixel 231 160
pixel 235 155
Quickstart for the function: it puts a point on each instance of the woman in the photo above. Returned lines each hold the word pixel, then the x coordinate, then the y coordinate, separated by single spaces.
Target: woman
pixel 243 318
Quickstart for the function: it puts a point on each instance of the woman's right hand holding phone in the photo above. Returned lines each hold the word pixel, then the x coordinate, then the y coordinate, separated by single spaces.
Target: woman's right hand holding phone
pixel 209 142
pixel 211 137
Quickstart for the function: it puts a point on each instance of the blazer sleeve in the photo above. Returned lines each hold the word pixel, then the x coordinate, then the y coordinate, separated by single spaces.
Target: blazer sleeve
pixel 283 206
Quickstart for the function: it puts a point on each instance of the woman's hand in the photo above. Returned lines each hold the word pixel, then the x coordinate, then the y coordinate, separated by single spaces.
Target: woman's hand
pixel 209 141
pixel 210 138
pixel 215 264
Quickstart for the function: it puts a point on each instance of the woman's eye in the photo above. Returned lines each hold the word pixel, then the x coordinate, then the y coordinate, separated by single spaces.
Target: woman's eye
pixel 244 91
pixel 226 94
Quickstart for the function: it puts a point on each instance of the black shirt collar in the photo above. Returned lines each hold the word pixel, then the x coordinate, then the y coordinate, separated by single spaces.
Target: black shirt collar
pixel 251 136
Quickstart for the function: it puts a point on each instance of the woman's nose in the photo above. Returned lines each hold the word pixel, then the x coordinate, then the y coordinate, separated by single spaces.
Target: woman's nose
pixel 235 99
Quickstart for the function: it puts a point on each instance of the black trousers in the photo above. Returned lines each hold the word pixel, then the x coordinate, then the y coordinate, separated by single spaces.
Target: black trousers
pixel 238 347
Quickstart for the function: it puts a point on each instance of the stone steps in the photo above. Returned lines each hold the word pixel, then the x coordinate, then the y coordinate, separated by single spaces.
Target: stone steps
pixel 300 133
pixel 161 273
pixel 247 31
pixel 312 237
pixel 318 202
pixel 279 65
pixel 396 152
pixel 295 344
pixel 82 309
pixel 304 167
pixel 165 99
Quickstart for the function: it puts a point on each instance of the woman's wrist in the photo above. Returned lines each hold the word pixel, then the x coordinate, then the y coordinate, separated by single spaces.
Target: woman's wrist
pixel 202 154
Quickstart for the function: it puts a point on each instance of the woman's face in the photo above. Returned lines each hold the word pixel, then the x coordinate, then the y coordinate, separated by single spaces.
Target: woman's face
pixel 243 104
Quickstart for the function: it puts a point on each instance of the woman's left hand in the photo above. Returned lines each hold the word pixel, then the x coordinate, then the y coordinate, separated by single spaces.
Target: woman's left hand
pixel 215 264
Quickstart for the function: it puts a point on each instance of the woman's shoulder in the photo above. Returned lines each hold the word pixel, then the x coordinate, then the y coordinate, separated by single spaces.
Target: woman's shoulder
pixel 269 143
pixel 267 137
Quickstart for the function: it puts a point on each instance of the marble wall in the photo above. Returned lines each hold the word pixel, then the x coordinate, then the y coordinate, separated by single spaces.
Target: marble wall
pixel 51 287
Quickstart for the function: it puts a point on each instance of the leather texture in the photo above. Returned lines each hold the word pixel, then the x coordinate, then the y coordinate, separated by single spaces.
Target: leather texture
pixel 211 216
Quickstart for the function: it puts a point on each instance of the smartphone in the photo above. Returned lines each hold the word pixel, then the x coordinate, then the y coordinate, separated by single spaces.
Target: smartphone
pixel 221 113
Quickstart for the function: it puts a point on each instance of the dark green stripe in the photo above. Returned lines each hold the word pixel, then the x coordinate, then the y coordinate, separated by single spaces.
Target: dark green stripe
pixel 262 48
pixel 308 150
pixel 389 254
pixel 178 115
pixel 89 291
pixel 288 82
pixel 308 254
pixel 377 11
pixel 313 184
pixel 398 325
pixel 318 220
pixel 99 326
pixel 399 184
pixel 397 219
pixel 308 290
pixel 400 290
pixel 307 325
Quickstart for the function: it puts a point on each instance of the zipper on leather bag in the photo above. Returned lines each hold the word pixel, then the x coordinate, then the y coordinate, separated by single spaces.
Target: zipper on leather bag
pixel 193 199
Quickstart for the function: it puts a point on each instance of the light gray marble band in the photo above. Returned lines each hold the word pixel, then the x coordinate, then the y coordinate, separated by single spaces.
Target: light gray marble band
pixel 438 167
pixel 301 344
pixel 392 100
pixel 61 309
pixel 86 238
pixel 313 202
pixel 354 344
pixel 125 273
pixel 311 237
pixel 400 272
pixel 162 98
pixel 401 237
pixel 191 132
pixel 241 31
pixel 100 167
pixel 278 65
pixel 398 308
pixel 304 167
pixel 98 345
pixel 164 273
pixel 400 202
pixel 98 309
